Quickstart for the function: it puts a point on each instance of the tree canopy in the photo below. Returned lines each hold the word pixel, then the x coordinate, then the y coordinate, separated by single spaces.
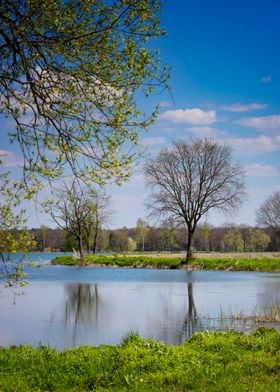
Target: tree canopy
pixel 69 72
pixel 190 179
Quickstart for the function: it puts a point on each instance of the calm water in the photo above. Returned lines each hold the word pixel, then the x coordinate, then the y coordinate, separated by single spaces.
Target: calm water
pixel 72 306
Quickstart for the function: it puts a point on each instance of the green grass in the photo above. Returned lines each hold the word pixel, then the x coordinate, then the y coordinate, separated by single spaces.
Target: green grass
pixel 157 261
pixel 238 264
pixel 228 361
pixel 137 261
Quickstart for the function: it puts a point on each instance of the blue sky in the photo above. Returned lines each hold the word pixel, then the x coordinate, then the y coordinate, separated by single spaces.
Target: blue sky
pixel 225 83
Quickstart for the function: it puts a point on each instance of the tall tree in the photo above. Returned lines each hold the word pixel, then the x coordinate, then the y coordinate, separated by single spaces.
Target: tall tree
pixel 268 214
pixel 69 72
pixel 190 179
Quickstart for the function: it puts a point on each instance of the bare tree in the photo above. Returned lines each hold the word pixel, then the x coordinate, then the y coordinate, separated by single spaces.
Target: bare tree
pixel 268 214
pixel 190 179
pixel 80 211
pixel 100 215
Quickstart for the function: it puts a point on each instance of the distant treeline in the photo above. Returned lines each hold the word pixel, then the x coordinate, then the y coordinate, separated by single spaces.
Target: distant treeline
pixel 207 238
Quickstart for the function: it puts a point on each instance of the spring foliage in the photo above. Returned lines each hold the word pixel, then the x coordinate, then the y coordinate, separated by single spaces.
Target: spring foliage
pixel 14 237
pixel 69 72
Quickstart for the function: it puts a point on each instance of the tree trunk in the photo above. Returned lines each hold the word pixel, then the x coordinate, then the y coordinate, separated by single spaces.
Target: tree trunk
pixel 94 245
pixel 80 244
pixel 189 254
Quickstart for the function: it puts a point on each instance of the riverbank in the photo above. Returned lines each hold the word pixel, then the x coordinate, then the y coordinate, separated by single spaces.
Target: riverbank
pixel 228 361
pixel 230 262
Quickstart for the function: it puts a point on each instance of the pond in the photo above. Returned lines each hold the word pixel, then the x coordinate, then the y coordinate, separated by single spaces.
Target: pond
pixel 72 306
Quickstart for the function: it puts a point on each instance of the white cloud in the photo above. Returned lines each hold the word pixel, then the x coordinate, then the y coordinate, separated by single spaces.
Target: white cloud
pixel 266 79
pixel 239 107
pixel 152 141
pixel 263 123
pixel 261 170
pixel 260 144
pixel 9 159
pixel 194 116
pixel 203 131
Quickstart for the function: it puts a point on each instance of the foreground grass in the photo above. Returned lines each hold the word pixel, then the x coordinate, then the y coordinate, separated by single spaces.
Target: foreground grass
pixel 159 261
pixel 206 362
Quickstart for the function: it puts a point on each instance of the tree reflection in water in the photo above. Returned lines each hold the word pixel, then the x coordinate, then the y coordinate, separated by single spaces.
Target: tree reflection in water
pixel 191 322
pixel 81 306
pixel 81 303
pixel 179 323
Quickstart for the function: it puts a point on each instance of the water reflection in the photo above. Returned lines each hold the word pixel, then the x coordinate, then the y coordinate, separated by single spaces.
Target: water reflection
pixel 83 308
pixel 64 314
pixel 81 303
pixel 80 308
pixel 192 322
pixel 167 313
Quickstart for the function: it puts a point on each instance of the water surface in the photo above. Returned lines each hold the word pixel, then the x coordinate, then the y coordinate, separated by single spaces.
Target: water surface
pixel 72 306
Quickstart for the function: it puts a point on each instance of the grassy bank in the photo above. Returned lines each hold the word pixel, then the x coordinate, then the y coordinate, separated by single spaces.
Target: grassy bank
pixel 177 261
pixel 136 261
pixel 206 362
